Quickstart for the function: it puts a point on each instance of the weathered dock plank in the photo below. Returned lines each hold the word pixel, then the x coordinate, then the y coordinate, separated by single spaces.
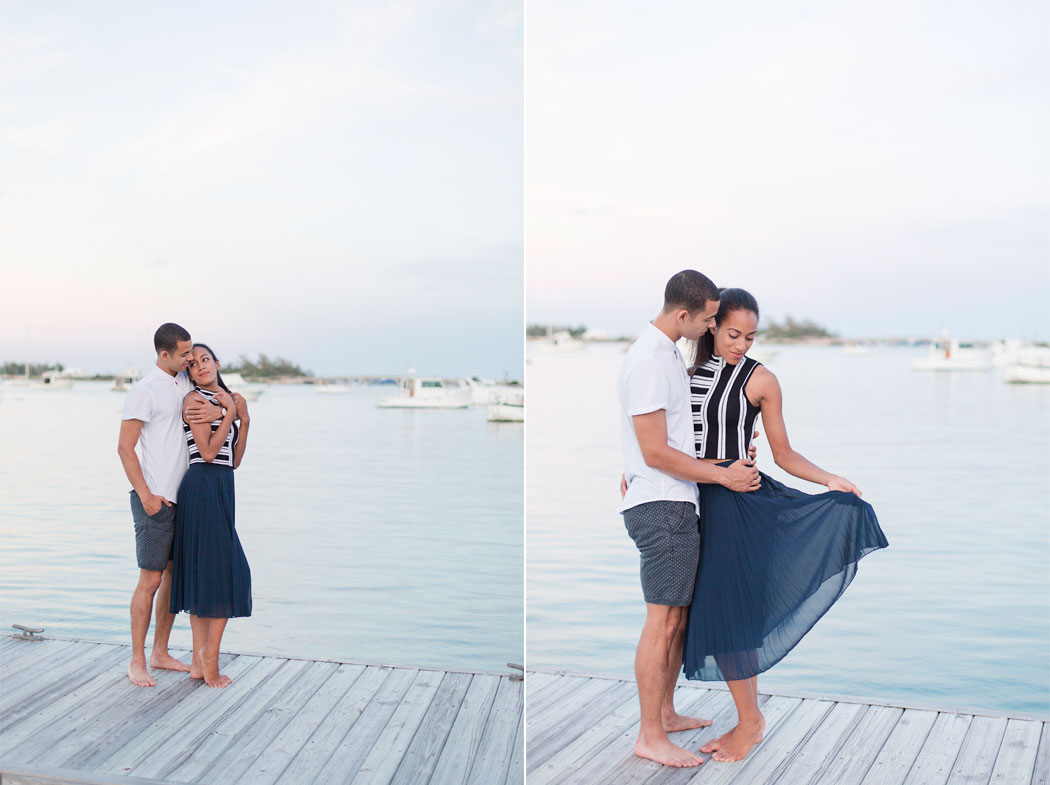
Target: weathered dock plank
pixel 419 760
pixel 308 762
pixel 282 720
pixel 492 763
pixel 1042 758
pixel 584 735
pixel 1016 759
pixel 464 739
pixel 898 752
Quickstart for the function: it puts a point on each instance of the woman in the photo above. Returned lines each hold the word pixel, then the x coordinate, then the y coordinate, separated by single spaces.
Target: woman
pixel 772 561
pixel 210 575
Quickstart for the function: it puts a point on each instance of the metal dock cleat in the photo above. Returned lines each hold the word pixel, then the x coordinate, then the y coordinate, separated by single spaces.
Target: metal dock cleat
pixel 28 633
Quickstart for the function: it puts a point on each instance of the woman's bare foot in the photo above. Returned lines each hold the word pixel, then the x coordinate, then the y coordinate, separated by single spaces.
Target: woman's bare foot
pixel 165 661
pixel 676 722
pixel 138 674
pixel 744 736
pixel 665 752
pixel 196 667
pixel 210 665
pixel 717 744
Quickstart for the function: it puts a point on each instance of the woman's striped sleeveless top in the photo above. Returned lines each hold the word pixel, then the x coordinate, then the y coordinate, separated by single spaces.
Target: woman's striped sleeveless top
pixel 225 454
pixel 723 417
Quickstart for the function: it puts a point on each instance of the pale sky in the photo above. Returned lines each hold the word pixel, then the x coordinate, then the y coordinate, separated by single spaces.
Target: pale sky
pixel 337 183
pixel 879 167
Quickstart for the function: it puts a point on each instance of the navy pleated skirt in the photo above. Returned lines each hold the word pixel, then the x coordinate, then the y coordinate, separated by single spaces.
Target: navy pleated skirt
pixel 210 575
pixel 772 562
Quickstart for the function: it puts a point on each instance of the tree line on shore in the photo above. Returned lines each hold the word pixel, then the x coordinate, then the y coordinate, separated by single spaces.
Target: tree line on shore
pixel 790 329
pixel 262 368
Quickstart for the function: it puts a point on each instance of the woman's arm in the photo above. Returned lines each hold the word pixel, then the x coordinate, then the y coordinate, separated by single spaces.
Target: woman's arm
pixel 242 432
pixel 763 390
pixel 208 443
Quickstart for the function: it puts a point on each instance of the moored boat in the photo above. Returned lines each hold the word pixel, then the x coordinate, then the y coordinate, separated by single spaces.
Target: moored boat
pixel 949 354
pixel 416 392
pixel 508 406
pixel 52 380
pixel 124 381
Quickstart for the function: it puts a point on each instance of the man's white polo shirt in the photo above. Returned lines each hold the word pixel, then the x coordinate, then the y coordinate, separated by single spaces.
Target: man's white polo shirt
pixel 156 399
pixel 653 376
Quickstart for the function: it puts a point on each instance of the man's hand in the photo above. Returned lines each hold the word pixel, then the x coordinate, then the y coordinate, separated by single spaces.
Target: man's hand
pixel 752 451
pixel 623 485
pixel 200 411
pixel 152 504
pixel 742 477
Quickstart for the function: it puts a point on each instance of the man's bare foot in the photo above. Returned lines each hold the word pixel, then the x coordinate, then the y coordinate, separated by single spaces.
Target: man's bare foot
pixel 138 674
pixel 212 677
pixel 676 722
pixel 165 661
pixel 196 668
pixel 744 736
pixel 665 752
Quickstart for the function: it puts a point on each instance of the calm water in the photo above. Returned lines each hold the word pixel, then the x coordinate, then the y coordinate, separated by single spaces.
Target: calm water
pixel 390 536
pixel 955 612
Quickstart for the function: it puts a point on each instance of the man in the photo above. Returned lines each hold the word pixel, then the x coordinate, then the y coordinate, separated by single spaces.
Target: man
pixel 661 503
pixel 152 418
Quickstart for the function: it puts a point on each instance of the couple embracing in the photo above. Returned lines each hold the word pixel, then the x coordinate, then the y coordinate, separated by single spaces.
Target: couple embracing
pixel 735 566
pixel 192 432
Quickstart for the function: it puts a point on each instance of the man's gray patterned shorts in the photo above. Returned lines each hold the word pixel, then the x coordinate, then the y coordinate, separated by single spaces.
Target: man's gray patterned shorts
pixel 668 538
pixel 154 535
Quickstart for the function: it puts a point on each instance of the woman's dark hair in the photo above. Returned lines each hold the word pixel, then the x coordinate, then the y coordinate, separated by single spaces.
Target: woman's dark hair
pixel 218 376
pixel 729 300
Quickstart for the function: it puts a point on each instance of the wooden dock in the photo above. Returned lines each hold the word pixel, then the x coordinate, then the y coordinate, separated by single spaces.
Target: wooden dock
pixel 69 715
pixel 581 731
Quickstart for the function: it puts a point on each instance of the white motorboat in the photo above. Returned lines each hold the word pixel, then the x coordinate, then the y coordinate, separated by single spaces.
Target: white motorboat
pixel 508 406
pixel 416 392
pixel 52 380
pixel 855 349
pixel 1031 366
pixel 948 354
pixel 125 380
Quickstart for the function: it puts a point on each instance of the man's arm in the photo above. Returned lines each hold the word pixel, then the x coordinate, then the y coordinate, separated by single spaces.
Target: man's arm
pixel 197 411
pixel 651 430
pixel 130 430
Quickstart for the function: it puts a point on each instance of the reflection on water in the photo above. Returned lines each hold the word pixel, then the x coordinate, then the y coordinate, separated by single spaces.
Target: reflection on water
pixel 375 535
pixel 955 612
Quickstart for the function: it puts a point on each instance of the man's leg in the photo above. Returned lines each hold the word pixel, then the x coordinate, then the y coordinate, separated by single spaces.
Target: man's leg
pixel 159 657
pixel 650 670
pixel 141 610
pixel 673 721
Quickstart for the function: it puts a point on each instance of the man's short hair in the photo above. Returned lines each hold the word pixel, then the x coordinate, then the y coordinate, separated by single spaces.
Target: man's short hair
pixel 690 290
pixel 167 337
